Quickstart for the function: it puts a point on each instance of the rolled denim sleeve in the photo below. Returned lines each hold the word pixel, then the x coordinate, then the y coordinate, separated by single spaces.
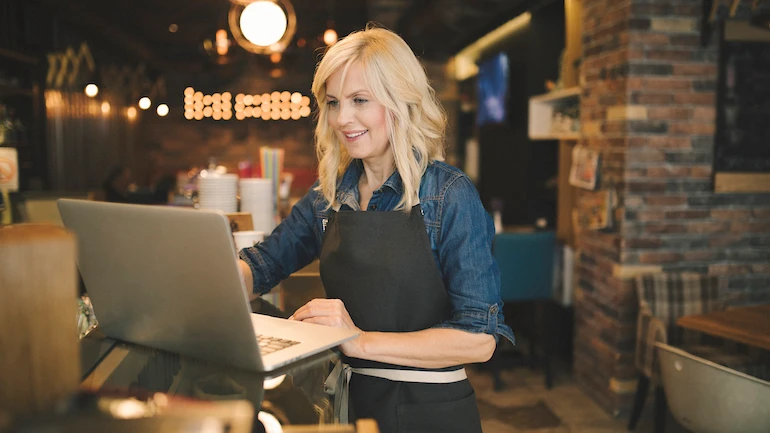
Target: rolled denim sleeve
pixel 469 269
pixel 291 246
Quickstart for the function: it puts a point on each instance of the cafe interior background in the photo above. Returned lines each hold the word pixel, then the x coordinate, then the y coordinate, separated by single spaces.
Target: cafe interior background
pixel 634 131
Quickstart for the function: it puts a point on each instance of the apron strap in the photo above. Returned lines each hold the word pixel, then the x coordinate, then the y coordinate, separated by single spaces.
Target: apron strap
pixel 338 382
pixel 338 385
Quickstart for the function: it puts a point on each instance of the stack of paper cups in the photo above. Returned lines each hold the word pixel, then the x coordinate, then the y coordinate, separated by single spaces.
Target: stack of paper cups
pixel 257 199
pixel 218 192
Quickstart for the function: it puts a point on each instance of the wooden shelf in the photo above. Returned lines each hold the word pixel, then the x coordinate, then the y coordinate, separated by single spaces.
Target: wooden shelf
pixel 574 136
pixel 541 109
pixel 572 92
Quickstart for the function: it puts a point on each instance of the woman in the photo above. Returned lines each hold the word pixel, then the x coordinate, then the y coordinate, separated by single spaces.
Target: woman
pixel 403 240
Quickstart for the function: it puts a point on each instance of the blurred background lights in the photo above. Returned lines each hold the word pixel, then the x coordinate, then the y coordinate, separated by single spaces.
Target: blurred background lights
pixel 263 23
pixel 92 90
pixel 330 37
pixel 276 105
pixel 162 110
pixel 145 103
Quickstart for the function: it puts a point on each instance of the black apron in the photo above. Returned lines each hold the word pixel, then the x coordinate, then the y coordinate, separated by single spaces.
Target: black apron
pixel 381 266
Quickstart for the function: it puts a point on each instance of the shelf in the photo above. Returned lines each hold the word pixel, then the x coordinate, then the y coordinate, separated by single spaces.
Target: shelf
pixel 575 136
pixel 541 112
pixel 572 92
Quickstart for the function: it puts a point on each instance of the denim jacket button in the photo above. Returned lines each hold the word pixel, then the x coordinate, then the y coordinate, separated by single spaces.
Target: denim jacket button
pixel 493 310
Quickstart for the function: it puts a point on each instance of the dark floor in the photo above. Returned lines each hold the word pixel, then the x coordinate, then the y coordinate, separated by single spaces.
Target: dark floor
pixel 525 405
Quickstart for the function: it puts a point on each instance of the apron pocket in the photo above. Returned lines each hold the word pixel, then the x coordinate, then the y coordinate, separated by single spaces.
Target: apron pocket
pixel 461 416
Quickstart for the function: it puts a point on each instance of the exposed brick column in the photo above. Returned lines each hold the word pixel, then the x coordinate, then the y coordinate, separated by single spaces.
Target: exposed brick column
pixel 649 105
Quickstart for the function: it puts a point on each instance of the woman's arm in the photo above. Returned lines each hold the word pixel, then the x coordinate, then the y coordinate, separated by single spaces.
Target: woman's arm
pixel 291 246
pixel 247 279
pixel 429 348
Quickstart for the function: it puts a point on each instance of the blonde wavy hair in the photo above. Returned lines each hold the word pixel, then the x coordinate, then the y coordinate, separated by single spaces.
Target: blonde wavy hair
pixel 415 120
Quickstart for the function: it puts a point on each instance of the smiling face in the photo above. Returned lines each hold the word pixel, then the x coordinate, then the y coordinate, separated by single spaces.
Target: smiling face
pixel 358 120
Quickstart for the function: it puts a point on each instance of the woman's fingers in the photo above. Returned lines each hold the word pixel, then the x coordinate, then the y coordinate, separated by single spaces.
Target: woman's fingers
pixel 319 307
pixel 330 312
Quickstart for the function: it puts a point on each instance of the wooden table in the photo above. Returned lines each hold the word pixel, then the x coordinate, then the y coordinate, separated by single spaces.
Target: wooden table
pixel 747 325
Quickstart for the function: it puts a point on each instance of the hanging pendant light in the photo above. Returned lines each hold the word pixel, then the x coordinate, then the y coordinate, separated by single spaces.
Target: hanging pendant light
pixel 262 26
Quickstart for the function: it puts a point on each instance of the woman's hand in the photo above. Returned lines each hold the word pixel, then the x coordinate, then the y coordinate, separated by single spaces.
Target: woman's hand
pixel 332 312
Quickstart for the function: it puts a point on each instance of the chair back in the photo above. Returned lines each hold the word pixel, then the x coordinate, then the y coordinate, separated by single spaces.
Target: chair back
pixel 526 263
pixel 40 207
pixel 706 397
pixel 669 296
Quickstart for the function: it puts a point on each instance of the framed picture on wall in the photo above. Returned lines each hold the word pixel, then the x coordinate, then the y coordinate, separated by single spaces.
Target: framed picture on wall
pixel 584 172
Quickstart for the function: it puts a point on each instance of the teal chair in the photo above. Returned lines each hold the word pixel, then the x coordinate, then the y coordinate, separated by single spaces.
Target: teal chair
pixel 526 262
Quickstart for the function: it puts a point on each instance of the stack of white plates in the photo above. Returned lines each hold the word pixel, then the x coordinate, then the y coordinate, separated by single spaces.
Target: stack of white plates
pixel 257 199
pixel 218 192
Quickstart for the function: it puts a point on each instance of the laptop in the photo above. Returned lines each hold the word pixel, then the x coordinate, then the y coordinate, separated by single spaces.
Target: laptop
pixel 167 278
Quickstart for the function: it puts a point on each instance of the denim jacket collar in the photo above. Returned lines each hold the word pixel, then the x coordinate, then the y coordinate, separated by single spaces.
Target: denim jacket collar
pixel 347 188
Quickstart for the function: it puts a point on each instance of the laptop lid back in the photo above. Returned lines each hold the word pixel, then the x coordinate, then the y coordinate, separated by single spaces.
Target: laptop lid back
pixel 164 277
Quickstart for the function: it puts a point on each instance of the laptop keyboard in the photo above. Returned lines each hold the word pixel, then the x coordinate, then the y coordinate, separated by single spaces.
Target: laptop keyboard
pixel 268 344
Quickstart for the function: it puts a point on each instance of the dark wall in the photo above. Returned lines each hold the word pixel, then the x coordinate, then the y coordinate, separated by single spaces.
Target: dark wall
pixel 513 168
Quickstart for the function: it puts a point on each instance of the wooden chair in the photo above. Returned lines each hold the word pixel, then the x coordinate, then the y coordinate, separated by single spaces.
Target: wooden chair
pixel 663 298
pixel 706 397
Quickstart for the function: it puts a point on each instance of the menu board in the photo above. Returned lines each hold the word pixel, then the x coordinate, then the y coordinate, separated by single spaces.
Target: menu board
pixel 743 110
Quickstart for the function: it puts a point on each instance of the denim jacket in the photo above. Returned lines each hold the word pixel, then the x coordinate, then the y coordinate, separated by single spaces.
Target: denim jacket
pixel 459 228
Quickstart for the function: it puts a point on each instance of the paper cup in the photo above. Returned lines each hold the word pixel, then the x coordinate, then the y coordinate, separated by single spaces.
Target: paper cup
pixel 247 238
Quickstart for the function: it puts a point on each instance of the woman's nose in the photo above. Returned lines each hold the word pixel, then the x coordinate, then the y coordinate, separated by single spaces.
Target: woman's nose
pixel 344 115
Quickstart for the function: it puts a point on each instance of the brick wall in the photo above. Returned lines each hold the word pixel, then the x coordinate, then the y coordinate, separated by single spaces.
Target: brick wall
pixel 649 106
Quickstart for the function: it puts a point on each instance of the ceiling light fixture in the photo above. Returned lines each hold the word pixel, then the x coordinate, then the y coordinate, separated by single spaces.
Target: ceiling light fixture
pixel 162 110
pixel 330 36
pixel 92 90
pixel 145 103
pixel 465 60
pixel 262 26
pixel 221 42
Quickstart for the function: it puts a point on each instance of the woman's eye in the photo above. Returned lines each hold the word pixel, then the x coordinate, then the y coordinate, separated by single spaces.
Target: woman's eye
pixel 360 101
pixel 333 103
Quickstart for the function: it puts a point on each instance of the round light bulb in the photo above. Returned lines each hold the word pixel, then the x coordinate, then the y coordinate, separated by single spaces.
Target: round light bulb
pixel 162 110
pixel 330 37
pixel 263 23
pixel 92 90
pixel 145 103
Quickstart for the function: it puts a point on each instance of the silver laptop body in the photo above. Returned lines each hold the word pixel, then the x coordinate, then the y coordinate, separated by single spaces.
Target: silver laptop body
pixel 167 278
